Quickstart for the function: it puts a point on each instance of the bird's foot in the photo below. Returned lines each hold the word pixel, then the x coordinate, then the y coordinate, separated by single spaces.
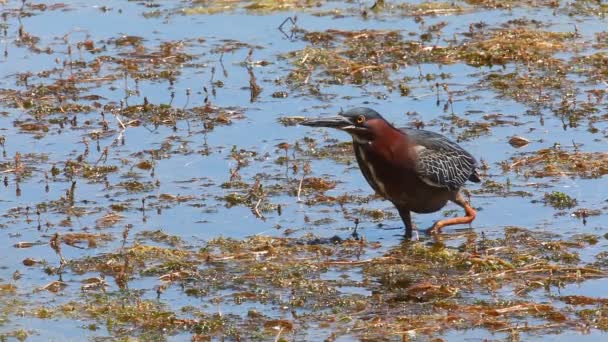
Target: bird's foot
pixel 412 235
pixel 435 229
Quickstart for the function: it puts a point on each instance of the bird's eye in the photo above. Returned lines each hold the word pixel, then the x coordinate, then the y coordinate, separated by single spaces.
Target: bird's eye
pixel 360 119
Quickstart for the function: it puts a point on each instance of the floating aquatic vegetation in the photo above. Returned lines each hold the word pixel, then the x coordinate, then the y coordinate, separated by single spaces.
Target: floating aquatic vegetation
pixel 594 65
pixel 199 7
pixel 552 162
pixel 560 200
pixel 434 276
pixel 538 88
pixel 586 8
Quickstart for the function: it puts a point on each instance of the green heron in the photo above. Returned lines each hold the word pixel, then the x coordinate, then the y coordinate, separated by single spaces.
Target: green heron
pixel 416 170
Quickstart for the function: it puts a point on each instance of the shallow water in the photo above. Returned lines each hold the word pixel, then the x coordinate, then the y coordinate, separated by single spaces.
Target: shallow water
pixel 192 161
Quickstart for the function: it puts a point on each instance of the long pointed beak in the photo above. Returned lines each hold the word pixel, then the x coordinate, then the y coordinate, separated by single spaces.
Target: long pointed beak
pixel 339 122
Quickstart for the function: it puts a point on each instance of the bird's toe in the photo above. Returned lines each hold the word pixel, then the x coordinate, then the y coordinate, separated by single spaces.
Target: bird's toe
pixel 415 236
pixel 436 228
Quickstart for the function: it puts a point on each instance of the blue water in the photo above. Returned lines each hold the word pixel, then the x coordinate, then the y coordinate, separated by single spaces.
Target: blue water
pixel 186 171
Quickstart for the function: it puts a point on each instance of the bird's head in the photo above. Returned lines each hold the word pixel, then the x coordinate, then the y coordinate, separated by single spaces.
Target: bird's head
pixel 363 124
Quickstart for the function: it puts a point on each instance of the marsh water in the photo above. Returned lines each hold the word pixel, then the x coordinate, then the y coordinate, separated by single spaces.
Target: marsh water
pixel 156 184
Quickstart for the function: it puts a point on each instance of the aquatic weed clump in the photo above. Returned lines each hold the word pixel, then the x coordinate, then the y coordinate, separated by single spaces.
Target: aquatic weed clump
pixel 553 162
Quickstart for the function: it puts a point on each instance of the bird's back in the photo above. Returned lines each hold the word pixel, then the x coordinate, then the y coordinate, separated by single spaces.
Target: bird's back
pixel 435 141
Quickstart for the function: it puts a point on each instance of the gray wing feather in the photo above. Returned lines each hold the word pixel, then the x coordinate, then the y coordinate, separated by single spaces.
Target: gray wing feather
pixel 441 162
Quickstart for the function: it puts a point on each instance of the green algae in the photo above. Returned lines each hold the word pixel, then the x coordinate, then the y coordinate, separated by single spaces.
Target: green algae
pixel 560 200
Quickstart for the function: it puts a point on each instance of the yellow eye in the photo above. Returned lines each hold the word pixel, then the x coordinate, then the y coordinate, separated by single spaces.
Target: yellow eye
pixel 360 119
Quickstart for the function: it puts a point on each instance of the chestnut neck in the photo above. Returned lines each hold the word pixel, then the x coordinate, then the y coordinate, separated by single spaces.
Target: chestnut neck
pixel 388 142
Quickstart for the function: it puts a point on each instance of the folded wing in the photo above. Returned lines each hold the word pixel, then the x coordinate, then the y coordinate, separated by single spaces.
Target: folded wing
pixel 441 162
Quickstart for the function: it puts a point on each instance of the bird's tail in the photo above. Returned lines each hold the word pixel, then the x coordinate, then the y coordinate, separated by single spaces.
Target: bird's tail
pixel 474 177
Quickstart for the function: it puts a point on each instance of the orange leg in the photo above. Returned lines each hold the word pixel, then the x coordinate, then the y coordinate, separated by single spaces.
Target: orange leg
pixel 468 218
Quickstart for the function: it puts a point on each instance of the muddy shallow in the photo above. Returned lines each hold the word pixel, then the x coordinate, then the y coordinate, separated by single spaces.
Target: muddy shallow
pixel 155 184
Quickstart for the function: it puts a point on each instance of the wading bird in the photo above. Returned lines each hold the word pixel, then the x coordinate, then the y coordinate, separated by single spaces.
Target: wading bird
pixel 416 170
